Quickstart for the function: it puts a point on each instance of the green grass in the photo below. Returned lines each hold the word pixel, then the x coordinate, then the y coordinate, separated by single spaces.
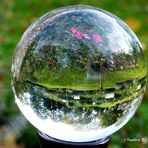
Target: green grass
pixel 104 105
pixel 77 80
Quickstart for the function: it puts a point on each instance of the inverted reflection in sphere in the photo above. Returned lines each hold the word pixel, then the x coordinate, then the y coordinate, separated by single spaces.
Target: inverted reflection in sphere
pixel 78 73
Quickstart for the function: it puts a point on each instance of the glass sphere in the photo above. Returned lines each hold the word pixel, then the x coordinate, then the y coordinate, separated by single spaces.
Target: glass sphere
pixel 78 73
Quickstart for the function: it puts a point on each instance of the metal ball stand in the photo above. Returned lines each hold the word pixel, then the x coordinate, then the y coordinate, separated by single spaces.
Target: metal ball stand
pixel 49 142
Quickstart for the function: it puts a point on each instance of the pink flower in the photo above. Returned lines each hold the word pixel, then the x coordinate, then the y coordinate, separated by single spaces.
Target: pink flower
pixel 78 35
pixel 74 29
pixel 86 36
pixel 97 38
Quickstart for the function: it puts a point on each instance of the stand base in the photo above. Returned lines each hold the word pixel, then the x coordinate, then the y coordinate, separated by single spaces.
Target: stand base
pixel 49 142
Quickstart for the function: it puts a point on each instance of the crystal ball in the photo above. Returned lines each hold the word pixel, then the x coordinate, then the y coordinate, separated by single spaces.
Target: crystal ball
pixel 78 73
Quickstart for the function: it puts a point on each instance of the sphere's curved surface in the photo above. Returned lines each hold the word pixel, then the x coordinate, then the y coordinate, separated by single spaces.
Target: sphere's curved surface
pixel 78 73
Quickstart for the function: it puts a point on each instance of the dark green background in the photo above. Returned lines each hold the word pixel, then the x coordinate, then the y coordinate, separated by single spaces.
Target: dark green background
pixel 15 17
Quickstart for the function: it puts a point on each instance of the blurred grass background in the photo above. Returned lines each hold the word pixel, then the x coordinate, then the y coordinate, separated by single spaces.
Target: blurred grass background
pixel 15 17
